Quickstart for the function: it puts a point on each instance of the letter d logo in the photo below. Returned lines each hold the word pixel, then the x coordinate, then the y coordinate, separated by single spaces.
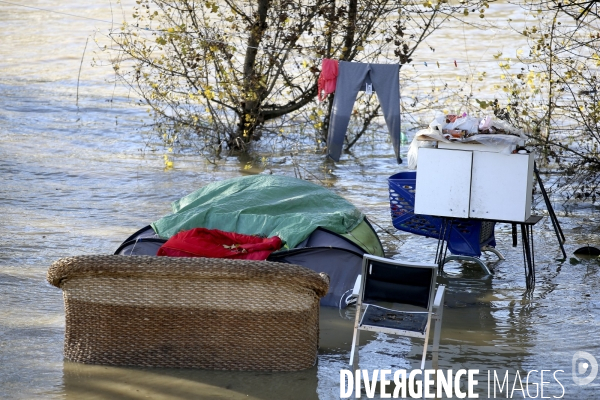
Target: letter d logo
pixel 581 367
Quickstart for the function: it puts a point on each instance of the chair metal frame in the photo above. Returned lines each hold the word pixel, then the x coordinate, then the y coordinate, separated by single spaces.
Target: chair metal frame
pixel 433 309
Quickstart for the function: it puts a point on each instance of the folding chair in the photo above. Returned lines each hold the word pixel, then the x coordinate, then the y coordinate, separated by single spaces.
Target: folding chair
pixel 397 297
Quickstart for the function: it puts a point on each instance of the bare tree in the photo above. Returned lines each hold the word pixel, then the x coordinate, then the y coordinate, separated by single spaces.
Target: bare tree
pixel 555 95
pixel 221 74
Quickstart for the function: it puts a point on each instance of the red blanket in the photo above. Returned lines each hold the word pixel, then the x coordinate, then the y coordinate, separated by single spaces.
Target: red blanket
pixel 213 243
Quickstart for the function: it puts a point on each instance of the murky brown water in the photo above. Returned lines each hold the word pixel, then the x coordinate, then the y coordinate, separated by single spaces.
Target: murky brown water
pixel 78 180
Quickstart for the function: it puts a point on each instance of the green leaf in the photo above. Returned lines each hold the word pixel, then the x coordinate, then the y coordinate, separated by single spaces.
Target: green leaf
pixel 482 104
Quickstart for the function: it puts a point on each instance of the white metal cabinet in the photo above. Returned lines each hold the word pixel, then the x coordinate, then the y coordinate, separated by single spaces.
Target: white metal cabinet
pixel 443 182
pixel 474 184
pixel 501 186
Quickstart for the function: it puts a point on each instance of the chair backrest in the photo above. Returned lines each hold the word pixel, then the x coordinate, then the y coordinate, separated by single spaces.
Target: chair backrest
pixel 394 281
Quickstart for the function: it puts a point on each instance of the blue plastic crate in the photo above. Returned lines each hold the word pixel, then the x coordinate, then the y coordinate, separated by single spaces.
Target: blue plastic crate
pixel 464 236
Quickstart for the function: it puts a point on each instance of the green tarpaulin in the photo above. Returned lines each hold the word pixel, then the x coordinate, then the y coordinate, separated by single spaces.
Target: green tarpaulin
pixel 265 205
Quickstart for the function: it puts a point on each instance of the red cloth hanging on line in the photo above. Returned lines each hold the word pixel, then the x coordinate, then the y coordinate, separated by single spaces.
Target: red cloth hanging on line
pixel 328 78
pixel 213 243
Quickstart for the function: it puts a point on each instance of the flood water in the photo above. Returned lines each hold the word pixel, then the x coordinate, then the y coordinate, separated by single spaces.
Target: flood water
pixel 79 179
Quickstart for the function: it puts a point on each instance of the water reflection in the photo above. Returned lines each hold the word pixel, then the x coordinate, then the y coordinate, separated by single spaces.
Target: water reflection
pixel 107 382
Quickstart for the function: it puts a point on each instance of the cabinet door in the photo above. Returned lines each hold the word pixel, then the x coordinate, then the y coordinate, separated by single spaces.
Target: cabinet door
pixel 443 182
pixel 501 186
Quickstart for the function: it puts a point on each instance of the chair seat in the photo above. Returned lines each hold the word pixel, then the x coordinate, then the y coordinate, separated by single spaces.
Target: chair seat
pixel 385 318
pixel 398 298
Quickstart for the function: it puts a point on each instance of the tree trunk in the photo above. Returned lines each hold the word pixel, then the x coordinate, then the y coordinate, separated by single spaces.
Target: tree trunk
pixel 249 116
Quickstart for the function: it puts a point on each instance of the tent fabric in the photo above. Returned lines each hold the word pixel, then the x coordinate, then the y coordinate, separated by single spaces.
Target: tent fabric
pixel 263 205
pixel 341 265
pixel 140 247
pixel 214 243
pixel 324 238
pixel 365 237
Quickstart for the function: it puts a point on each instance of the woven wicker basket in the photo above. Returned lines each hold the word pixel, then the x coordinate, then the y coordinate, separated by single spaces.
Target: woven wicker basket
pixel 189 312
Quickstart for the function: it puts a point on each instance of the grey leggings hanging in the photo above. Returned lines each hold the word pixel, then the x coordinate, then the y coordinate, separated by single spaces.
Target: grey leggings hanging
pixel 352 78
